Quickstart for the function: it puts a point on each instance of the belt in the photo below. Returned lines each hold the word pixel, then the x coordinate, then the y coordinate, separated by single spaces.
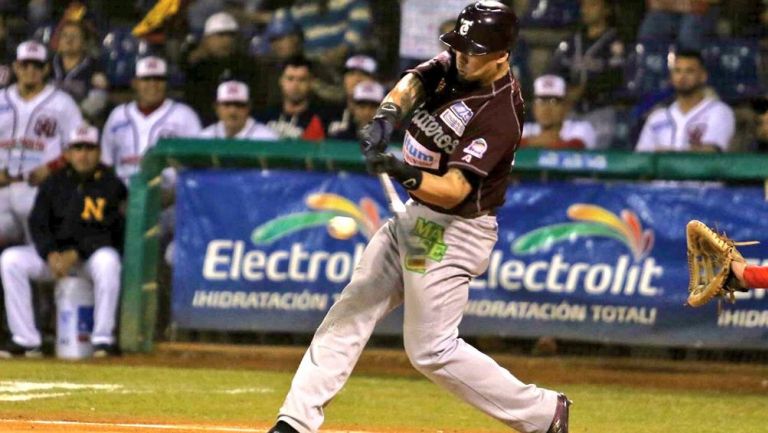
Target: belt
pixel 487 212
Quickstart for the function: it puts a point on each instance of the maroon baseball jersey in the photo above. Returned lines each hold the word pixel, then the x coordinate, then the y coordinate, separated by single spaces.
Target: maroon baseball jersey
pixel 464 125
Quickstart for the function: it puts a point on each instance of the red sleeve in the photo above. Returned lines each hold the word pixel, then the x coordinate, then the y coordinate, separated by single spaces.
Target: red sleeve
pixel 756 276
pixel 315 130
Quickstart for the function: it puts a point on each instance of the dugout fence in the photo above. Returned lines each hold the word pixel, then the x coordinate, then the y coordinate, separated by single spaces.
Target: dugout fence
pixel 139 303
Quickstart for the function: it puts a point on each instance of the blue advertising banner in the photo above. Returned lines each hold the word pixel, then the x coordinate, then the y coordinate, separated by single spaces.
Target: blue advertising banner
pixel 603 262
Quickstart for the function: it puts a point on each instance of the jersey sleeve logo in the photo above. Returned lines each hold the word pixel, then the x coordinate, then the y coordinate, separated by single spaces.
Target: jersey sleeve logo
pixel 419 156
pixel 477 148
pixel 456 117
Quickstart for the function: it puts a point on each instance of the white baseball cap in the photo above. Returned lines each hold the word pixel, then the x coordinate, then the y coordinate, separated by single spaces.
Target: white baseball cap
pixel 361 62
pixel 221 22
pixel 549 86
pixel 84 134
pixel 151 66
pixel 232 91
pixel 368 91
pixel 31 50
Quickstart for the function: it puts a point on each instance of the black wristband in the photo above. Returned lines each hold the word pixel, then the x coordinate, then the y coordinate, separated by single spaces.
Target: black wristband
pixel 390 111
pixel 408 176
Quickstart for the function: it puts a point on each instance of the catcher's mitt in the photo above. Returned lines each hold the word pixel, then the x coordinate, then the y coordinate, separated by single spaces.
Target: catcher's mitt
pixel 709 264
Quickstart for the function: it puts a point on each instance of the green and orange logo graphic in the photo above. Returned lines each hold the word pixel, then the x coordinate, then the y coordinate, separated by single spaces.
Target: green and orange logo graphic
pixel 590 221
pixel 342 218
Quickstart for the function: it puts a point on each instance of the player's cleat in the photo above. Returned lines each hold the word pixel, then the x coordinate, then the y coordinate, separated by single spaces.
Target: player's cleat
pixel 13 350
pixel 560 421
pixel 105 350
pixel 282 427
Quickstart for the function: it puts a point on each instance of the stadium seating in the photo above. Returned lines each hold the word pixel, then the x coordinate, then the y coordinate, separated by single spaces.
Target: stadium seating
pixel 733 66
pixel 646 71
pixel 551 13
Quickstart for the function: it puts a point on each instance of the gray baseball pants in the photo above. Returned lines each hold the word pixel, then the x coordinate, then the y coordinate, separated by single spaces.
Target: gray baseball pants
pixel 434 304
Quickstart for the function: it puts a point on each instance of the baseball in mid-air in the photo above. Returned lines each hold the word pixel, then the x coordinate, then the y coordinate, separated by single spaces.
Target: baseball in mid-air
pixel 342 227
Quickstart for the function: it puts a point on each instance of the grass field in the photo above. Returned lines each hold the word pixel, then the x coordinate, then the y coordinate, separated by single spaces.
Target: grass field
pixel 49 389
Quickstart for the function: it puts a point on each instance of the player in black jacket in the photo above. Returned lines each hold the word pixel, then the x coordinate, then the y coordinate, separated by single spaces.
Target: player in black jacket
pixel 77 228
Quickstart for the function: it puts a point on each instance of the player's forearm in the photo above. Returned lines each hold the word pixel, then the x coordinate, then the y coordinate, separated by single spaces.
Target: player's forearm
pixel 407 94
pixel 446 191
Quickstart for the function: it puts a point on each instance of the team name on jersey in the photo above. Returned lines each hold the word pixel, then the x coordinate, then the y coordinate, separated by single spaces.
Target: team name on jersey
pixel 432 129
pixel 24 143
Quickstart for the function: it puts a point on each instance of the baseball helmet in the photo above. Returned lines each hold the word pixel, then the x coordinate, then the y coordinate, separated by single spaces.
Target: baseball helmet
pixel 483 27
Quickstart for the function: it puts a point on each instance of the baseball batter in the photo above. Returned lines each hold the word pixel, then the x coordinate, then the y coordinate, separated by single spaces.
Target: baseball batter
pixel 134 127
pixel 467 114
pixel 35 122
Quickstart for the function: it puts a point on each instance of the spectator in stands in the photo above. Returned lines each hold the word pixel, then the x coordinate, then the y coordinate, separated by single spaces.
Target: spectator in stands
pixel 77 227
pixel 760 107
pixel 296 117
pixel 79 74
pixel 332 31
pixel 218 58
pixel 134 127
pixel 6 52
pixel 283 41
pixel 366 98
pixel 592 61
pixel 357 69
pixel 551 130
pixel 696 120
pixel 688 23
pixel 233 107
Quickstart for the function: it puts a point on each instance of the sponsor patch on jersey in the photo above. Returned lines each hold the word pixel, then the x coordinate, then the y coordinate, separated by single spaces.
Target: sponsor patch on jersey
pixel 456 117
pixel 415 154
pixel 477 148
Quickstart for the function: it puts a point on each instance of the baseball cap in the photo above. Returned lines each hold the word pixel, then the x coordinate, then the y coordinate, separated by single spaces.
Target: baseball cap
pixel 280 28
pixel 31 50
pixel 221 22
pixel 151 66
pixel 84 134
pixel 361 62
pixel 549 86
pixel 232 91
pixel 368 91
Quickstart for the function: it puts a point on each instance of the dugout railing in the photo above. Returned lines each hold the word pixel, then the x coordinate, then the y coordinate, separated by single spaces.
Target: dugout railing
pixel 139 301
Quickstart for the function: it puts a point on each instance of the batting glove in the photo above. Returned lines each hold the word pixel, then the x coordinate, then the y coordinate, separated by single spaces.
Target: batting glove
pixel 376 134
pixel 408 176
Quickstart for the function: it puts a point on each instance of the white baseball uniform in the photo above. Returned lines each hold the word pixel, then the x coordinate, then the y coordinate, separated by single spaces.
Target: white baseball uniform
pixel 32 133
pixel 21 264
pixel 128 134
pixel 571 130
pixel 669 129
pixel 252 130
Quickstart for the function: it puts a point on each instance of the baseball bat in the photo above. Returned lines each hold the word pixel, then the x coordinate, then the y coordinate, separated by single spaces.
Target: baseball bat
pixel 396 205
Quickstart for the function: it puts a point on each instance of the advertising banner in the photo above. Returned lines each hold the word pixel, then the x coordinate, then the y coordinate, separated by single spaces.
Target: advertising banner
pixel 602 262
